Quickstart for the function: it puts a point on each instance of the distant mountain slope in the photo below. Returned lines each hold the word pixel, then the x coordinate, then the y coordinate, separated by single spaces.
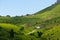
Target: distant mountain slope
pixel 48 19
pixel 39 17
pixel 42 16
pixel 48 13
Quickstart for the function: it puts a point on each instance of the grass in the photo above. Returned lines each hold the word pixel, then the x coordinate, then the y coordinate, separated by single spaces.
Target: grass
pixel 9 27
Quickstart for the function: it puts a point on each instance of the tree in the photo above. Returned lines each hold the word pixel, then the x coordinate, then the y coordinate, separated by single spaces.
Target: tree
pixel 39 34
pixel 8 16
pixel 0 16
pixel 27 14
pixel 32 34
pixel 12 33
pixel 0 28
pixel 22 28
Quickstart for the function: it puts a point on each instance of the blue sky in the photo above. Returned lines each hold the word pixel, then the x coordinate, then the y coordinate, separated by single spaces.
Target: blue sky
pixel 23 7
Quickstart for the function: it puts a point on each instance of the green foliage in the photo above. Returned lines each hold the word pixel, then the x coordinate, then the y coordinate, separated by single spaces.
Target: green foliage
pixel 48 19
pixel 53 33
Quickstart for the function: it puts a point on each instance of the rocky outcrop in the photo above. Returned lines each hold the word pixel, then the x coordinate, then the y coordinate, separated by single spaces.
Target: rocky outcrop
pixel 58 1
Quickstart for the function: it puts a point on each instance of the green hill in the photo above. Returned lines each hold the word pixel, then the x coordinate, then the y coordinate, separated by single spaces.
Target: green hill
pixel 48 19
pixel 52 34
pixel 8 27
pixel 51 21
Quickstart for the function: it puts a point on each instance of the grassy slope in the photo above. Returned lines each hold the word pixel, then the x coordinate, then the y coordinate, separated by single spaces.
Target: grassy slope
pixel 37 19
pixel 52 34
pixel 50 18
pixel 48 14
pixel 8 27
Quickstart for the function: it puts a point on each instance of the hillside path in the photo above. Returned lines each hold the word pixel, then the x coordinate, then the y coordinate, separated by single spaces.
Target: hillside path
pixel 33 31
